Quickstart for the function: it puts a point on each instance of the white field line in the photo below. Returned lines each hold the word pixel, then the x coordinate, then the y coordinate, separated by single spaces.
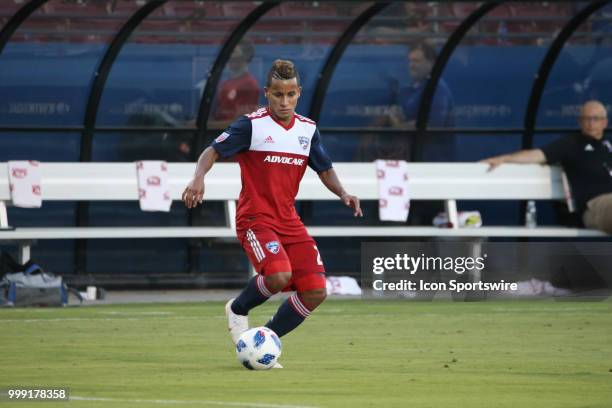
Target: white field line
pixel 138 313
pixel 177 402
pixel 107 319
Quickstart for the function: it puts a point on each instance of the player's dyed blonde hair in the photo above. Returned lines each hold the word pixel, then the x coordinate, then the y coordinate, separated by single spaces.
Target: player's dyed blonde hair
pixel 282 70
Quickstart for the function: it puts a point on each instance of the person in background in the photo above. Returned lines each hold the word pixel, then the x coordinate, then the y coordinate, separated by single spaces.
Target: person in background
pixel 239 93
pixel 403 112
pixel 586 158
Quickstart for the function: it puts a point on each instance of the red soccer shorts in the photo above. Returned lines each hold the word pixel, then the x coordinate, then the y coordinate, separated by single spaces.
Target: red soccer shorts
pixel 269 255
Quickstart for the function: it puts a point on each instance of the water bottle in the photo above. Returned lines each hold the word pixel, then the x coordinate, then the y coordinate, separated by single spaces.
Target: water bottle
pixel 531 216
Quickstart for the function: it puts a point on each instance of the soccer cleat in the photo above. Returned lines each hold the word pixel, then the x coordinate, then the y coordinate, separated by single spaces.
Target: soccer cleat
pixel 277 365
pixel 237 324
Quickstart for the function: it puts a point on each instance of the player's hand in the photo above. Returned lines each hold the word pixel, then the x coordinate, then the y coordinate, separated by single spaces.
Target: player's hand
pixel 353 202
pixel 194 193
pixel 493 162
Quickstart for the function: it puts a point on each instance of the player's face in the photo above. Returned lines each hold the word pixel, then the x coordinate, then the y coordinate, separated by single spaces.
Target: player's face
pixel 282 98
pixel 419 66
pixel 593 120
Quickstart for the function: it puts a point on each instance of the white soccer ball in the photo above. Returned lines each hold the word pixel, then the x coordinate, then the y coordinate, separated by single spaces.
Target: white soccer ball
pixel 258 348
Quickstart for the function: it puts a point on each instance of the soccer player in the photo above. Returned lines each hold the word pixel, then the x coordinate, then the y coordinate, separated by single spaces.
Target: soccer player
pixel 273 146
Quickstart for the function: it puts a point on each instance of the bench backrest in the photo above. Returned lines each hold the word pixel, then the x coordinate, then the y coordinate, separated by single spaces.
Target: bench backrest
pixel 428 181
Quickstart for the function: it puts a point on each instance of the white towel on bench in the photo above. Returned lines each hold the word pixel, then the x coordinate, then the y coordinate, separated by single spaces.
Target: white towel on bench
pixel 24 183
pixel 393 192
pixel 153 190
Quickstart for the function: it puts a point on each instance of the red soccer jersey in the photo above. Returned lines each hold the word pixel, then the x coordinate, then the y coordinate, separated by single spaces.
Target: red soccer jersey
pixel 273 159
pixel 235 97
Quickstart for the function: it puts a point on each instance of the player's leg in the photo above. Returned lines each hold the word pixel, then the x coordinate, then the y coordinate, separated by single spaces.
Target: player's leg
pixel 313 298
pixel 272 264
pixel 598 214
pixel 274 273
pixel 309 283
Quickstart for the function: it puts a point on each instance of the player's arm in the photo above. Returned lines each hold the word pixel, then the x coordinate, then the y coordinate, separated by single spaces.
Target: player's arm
pixel 235 139
pixel 531 156
pixel 332 182
pixel 194 192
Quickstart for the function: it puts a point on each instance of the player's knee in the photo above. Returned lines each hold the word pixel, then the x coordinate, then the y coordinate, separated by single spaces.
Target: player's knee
pixel 278 281
pixel 313 298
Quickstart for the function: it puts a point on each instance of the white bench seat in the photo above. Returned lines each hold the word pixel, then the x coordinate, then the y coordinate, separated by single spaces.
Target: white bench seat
pixel 447 182
pixel 30 233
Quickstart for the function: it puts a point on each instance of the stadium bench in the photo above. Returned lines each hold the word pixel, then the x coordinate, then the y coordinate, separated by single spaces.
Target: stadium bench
pixel 447 182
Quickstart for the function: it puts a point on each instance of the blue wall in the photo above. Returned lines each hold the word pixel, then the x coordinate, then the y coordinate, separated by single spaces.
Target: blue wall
pixel 490 85
pixel 48 84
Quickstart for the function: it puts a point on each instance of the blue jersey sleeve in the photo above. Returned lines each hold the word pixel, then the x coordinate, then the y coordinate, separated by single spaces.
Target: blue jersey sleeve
pixel 319 159
pixel 235 139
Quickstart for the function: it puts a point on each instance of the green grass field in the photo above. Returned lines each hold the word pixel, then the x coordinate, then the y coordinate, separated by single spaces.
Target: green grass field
pixel 348 354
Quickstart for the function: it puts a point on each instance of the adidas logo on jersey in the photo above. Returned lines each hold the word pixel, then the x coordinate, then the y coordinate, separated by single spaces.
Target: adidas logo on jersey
pixel 588 148
pixel 269 140
pixel 284 160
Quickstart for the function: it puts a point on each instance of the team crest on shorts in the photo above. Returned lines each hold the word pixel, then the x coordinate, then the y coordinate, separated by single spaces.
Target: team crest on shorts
pixel 303 142
pixel 273 246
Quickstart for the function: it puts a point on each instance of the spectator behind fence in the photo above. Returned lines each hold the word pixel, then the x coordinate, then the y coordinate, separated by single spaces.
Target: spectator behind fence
pixel 586 158
pixel 239 93
pixel 436 147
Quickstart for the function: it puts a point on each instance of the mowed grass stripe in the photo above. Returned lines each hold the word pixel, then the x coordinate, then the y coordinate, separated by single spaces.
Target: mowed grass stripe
pixel 182 402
